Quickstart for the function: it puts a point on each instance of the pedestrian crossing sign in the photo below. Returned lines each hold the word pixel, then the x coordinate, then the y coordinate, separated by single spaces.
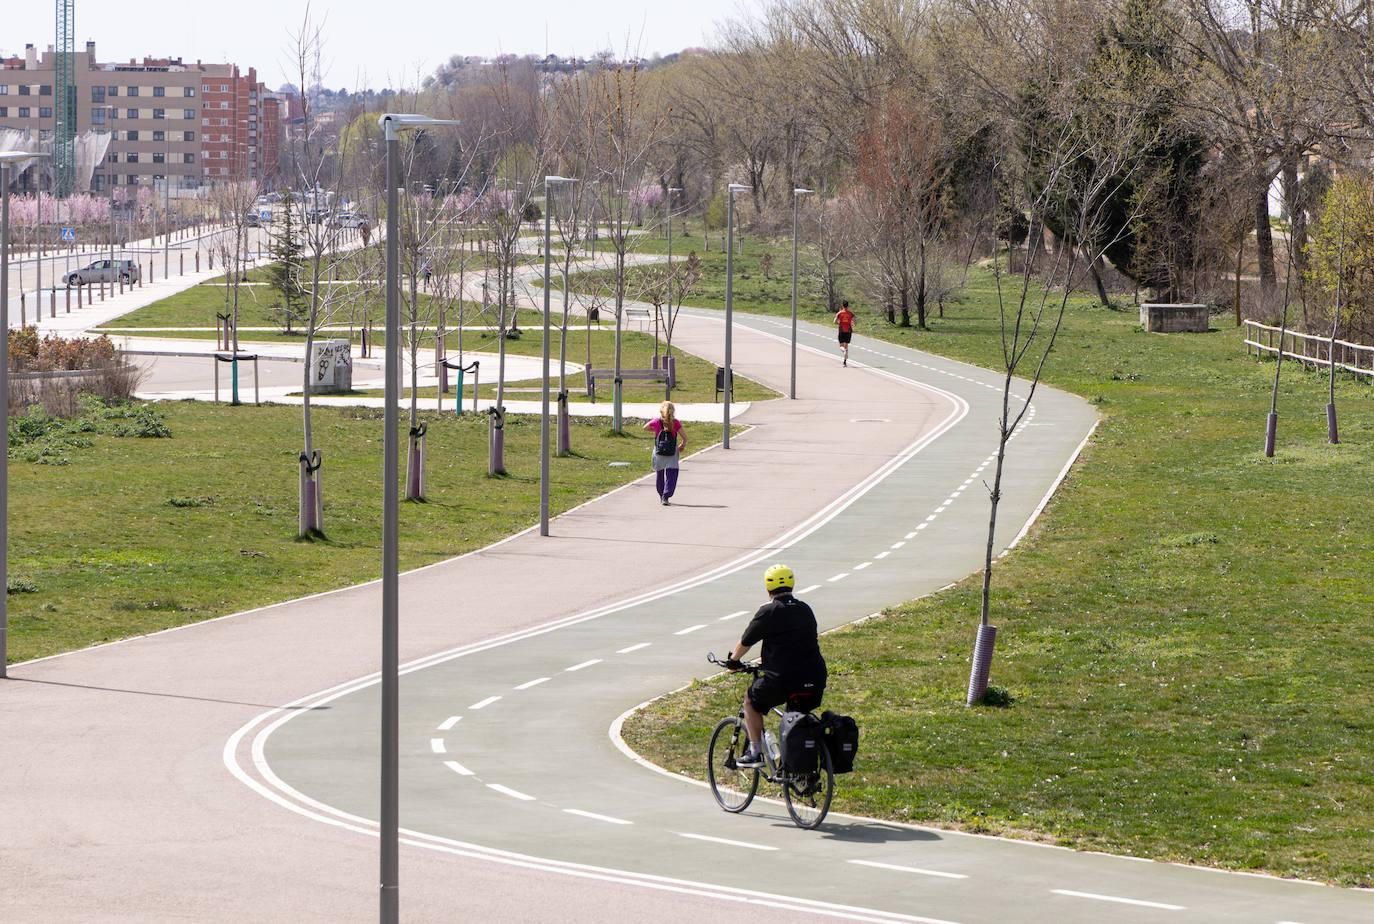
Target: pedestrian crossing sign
pixel 68 234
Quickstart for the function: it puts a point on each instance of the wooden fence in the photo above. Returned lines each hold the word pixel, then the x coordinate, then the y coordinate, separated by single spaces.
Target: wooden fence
pixel 1309 349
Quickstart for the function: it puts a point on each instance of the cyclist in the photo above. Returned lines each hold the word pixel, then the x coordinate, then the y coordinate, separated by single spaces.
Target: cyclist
pixel 793 668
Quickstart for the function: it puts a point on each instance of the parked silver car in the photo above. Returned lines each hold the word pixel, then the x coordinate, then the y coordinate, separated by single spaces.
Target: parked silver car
pixel 104 271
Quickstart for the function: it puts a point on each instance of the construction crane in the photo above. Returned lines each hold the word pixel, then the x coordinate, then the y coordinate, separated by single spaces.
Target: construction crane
pixel 64 100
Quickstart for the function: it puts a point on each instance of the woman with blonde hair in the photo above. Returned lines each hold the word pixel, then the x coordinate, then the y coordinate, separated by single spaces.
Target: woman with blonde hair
pixel 669 442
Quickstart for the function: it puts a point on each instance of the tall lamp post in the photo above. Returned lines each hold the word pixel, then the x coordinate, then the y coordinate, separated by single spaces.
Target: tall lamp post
pixel 392 124
pixel 550 184
pixel 7 160
pixel 729 304
pixel 796 199
pixel 668 363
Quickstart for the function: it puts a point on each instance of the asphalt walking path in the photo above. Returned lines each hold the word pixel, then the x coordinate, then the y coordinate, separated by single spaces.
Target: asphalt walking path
pixel 227 769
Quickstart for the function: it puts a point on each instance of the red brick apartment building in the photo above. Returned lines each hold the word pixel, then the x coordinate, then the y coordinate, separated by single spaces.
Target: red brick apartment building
pixel 185 125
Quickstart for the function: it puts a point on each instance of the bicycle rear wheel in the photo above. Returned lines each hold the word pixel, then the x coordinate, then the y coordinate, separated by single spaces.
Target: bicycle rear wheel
pixel 733 787
pixel 808 795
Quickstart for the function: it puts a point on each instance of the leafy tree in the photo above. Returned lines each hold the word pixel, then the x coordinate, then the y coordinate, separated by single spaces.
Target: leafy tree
pixel 1341 253
pixel 284 273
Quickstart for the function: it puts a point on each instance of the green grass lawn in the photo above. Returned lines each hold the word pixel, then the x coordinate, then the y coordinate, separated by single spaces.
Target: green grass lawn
pixel 1188 633
pixel 132 535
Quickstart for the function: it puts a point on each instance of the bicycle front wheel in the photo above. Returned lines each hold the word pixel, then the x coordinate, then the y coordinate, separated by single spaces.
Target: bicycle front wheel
pixel 808 795
pixel 733 787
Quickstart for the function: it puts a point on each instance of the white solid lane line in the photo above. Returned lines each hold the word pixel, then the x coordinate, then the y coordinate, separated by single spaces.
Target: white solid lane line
pixel 690 629
pixel 450 722
pixel 532 683
pixel 908 869
pixel 1120 901
pixel 578 667
pixel 457 768
pixel 722 840
pixel 839 577
pixel 514 794
pixel 807 590
pixel 634 648
pixel 594 815
pixel 862 565
pixel 733 615
pixel 484 703
pixel 436 745
pixel 883 554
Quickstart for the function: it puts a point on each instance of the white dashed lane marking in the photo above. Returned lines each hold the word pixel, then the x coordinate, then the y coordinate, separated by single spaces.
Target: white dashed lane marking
pixel 436 745
pixel 690 629
pixel 807 590
pixel 839 577
pixel 484 703
pixel 898 545
pixel 909 869
pixel 883 554
pixel 910 535
pixel 450 722
pixel 862 565
pixel 578 667
pixel 457 768
pixel 732 615
pixel 595 816
pixel 1117 899
pixel 634 648
pixel 723 840
pixel 532 683
pixel 513 793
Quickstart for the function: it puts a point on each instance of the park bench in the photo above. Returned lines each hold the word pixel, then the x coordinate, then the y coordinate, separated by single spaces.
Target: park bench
pixel 642 375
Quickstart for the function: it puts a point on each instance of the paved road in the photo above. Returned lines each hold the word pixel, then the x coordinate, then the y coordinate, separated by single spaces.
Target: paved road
pixel 117 785
pixel 505 747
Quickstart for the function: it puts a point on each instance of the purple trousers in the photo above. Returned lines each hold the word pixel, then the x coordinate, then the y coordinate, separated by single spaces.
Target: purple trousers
pixel 666 480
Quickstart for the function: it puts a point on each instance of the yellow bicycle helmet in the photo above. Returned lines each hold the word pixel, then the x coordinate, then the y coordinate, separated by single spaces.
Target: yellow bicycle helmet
pixel 778 577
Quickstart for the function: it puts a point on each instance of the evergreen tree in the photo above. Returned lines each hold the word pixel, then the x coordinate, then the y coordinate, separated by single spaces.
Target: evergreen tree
pixel 284 273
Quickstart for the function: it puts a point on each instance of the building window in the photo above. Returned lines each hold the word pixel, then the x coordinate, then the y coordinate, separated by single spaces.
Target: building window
pixel 4 112
pixel 159 157
pixel 45 112
pixel 159 113
pixel 45 89
pixel 25 89
pixel 97 182
pixel 131 113
pixel 223 155
pixel 223 122
pixel 112 91
pixel 132 179
pixel 159 136
pixel 131 157
pixel 98 116
pixel 188 113
pixel 224 88
pixel 113 157
pixel 4 89
pixel 188 136
pixel 224 104
pixel 97 94
pixel 188 158
pixel 223 171
pixel 131 136
pixel 23 112
pixel 132 91
pixel 188 91
pixel 159 91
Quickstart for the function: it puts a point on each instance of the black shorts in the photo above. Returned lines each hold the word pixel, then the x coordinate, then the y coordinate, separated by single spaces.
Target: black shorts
pixel 846 336
pixel 766 692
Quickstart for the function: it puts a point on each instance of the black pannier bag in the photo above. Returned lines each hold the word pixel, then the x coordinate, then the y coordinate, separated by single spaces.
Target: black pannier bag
pixel 801 742
pixel 841 735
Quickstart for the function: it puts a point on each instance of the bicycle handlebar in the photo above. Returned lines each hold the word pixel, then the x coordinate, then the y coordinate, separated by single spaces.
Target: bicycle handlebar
pixel 745 666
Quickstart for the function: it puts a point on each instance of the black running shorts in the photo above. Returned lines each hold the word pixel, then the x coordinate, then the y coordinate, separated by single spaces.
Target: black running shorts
pixel 846 336
pixel 767 692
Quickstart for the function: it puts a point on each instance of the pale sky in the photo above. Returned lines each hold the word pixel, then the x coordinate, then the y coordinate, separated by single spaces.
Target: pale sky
pixel 374 43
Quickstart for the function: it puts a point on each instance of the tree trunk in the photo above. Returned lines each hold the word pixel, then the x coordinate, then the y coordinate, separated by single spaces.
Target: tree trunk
pixel 1264 242
pixel 1297 214
pixel 1098 284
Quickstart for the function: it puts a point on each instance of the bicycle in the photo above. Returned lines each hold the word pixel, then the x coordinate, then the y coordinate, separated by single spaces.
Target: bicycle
pixel 806 792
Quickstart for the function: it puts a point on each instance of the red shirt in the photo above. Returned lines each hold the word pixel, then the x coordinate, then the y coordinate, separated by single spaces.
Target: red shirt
pixel 845 319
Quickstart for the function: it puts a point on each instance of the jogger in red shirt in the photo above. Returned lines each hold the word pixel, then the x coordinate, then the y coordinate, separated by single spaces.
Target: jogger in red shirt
pixel 844 318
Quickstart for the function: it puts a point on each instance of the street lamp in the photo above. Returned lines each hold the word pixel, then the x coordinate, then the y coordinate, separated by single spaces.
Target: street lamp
pixel 796 198
pixel 7 160
pixel 392 124
pixel 729 303
pixel 550 183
